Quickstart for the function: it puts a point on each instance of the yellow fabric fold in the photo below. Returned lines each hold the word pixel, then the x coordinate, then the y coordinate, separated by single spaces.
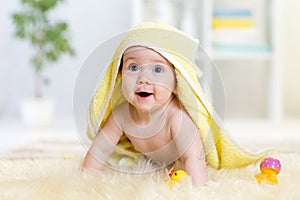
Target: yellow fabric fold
pixel 179 49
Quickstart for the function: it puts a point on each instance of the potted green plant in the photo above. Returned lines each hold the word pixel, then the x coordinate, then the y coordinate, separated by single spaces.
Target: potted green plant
pixel 49 40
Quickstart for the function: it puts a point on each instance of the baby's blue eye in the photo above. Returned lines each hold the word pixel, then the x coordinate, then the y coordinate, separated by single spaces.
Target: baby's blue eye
pixel 158 69
pixel 133 68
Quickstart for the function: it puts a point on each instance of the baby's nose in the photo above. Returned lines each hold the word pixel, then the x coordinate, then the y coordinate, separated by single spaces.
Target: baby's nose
pixel 143 79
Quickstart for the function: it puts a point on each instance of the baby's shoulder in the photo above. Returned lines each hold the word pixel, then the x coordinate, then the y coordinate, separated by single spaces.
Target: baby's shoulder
pixel 178 116
pixel 176 111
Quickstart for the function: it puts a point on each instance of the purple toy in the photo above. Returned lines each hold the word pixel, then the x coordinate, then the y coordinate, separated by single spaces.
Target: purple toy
pixel 269 168
pixel 271 163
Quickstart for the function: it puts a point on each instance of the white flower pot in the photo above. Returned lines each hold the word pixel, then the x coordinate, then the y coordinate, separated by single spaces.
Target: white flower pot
pixel 37 112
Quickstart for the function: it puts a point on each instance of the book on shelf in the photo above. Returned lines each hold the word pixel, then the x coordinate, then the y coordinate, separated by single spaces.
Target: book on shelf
pixel 232 12
pixel 232 18
pixel 219 22
pixel 234 29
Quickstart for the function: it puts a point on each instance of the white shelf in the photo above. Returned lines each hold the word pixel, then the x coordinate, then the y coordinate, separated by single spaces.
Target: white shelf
pixel 219 55
pixel 197 15
pixel 265 16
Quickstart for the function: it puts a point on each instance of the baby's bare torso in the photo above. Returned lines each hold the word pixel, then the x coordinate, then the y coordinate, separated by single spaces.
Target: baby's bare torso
pixel 154 139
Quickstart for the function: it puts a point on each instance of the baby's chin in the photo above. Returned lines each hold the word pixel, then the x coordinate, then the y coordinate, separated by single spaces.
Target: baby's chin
pixel 147 108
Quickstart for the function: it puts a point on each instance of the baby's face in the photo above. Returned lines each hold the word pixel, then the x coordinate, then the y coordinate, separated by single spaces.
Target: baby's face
pixel 148 79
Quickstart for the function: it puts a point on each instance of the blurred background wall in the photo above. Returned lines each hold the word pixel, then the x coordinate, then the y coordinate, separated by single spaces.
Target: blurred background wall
pixel 291 53
pixel 92 22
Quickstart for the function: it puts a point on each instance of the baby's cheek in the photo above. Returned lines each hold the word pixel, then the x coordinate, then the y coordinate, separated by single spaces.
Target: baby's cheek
pixel 165 87
pixel 167 82
pixel 128 87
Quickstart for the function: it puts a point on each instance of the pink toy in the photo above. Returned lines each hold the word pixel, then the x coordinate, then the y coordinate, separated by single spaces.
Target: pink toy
pixel 269 167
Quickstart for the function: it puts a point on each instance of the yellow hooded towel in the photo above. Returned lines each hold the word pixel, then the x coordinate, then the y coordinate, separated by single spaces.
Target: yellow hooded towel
pixel 179 48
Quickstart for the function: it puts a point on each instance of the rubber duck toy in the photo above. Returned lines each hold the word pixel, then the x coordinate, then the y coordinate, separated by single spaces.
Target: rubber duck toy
pixel 269 168
pixel 175 177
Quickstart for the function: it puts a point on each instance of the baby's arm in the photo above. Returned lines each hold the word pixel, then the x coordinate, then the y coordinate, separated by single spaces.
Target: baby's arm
pixel 190 147
pixel 103 145
pixel 194 162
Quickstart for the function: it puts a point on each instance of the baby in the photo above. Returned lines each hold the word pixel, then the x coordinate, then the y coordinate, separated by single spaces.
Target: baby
pixel 150 95
pixel 151 117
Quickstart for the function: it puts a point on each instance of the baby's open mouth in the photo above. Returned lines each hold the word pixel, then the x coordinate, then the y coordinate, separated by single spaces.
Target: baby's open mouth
pixel 144 94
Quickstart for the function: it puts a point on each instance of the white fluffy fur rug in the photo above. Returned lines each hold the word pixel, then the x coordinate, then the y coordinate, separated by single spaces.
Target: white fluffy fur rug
pixel 61 179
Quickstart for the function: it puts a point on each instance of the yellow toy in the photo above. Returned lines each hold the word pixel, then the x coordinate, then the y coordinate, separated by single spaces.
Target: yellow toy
pixel 175 177
pixel 269 168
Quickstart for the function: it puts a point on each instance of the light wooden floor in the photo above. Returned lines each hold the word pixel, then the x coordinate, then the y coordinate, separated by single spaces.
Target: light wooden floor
pixel 63 140
pixel 259 134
